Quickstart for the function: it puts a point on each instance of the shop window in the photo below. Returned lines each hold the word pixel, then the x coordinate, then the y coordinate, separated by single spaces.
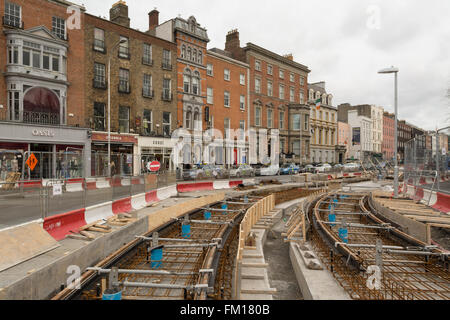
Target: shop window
pixel 13 105
pixel 124 119
pixel 41 106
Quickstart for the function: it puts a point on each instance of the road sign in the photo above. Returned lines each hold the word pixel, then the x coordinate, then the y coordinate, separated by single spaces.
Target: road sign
pixel 32 161
pixel 153 166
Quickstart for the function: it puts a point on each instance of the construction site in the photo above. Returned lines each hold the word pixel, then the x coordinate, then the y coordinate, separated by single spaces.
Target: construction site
pixel 314 237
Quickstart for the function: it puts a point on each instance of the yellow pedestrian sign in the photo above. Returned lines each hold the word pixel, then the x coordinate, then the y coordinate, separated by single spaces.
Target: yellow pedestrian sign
pixel 32 162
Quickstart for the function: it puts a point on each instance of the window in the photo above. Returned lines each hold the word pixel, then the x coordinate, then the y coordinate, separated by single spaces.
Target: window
pixel 200 57
pixel 166 63
pixel 332 117
pixel 99 116
pixel 281 120
pixel 292 77
pixel 59 27
pixel 13 54
pixel 12 15
pixel 26 57
pixel 189 53
pixel 269 88
pixel 258 116
pixel 242 79
pixel 166 94
pixel 292 94
pixel 281 74
pixel 269 118
pixel 281 91
pixel 226 99
pixel 296 121
pixel 194 55
pixel 147 54
pixel 326 116
pixel 99 75
pixel 124 80
pixel 147 126
pixel 196 83
pixel 257 85
pixel 306 126
pixel 36 59
pixel 302 80
pixel 269 69
pixel 188 119
pixel 99 39
pixel 55 63
pixel 183 51
pixel 242 129
pixel 209 96
pixel 166 123
pixel 209 69
pixel 257 65
pixel 124 50
pixel 124 119
pixel 302 98
pixel 226 126
pixel 147 86
pixel 14 104
pixel 242 103
pixel 187 81
pixel 226 74
pixel 296 147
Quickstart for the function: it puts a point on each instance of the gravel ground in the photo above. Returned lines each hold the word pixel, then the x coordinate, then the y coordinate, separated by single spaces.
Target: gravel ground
pixel 281 273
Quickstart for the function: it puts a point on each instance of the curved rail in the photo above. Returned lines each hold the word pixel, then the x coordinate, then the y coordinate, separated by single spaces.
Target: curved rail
pixel 376 260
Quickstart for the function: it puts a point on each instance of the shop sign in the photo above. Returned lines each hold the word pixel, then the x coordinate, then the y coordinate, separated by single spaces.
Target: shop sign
pixel 43 133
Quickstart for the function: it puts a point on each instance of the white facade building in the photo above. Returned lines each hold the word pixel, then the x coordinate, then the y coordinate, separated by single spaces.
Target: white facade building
pixel 377 128
pixel 361 131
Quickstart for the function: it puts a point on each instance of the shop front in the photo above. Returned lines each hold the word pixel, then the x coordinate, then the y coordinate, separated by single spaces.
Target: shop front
pixel 154 149
pixel 122 154
pixel 60 152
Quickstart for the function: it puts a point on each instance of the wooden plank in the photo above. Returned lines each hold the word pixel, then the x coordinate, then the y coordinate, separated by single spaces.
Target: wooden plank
pixel 429 219
pixel 439 225
pixel 259 291
pixel 255 265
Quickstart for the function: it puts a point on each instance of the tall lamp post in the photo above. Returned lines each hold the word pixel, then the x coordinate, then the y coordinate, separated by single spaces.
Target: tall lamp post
pixel 109 103
pixel 394 71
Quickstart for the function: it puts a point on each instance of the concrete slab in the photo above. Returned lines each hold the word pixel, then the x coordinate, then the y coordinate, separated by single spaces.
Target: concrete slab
pixel 315 284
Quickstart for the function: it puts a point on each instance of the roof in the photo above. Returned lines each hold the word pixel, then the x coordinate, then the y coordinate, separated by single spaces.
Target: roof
pixel 253 47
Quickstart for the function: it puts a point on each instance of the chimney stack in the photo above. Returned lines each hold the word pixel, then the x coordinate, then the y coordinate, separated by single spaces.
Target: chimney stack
pixel 232 42
pixel 289 56
pixel 119 13
pixel 153 19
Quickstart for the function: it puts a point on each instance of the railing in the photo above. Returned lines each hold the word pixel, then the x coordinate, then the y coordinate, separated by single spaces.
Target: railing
pixel 41 118
pixel 148 93
pixel 166 96
pixel 253 215
pixel 99 84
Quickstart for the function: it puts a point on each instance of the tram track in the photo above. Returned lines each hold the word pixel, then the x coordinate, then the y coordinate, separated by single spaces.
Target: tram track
pixel 194 266
pixel 354 242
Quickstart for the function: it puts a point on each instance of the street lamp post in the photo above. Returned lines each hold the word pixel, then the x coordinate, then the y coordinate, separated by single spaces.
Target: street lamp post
pixel 109 103
pixel 395 72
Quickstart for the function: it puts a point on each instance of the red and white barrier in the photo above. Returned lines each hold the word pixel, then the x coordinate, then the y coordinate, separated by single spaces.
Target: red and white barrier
pixel 442 203
pixel 219 185
pixel 100 211
pixel 74 185
pixel 429 198
pixel 60 225
pixel 166 193
pixel 192 187
pixel 138 201
pixel 122 206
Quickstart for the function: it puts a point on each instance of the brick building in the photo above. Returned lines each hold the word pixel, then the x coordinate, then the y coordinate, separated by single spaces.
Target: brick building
pixel 388 147
pixel 143 92
pixel 226 100
pixel 191 41
pixel 42 89
pixel 278 97
pixel 324 125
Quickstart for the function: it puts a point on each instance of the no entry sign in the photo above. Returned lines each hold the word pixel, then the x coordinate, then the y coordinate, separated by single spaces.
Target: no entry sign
pixel 153 166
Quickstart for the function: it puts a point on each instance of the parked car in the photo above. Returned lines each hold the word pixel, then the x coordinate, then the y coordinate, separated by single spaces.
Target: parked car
pixel 338 166
pixel 324 168
pixel 192 173
pixel 289 168
pixel 214 171
pixel 269 171
pixel 243 170
pixel 351 166
pixel 309 168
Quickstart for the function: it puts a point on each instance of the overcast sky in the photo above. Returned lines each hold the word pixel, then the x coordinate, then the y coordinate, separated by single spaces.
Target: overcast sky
pixel 343 42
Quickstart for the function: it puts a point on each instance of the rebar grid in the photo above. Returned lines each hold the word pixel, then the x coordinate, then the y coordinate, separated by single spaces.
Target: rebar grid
pixel 404 276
